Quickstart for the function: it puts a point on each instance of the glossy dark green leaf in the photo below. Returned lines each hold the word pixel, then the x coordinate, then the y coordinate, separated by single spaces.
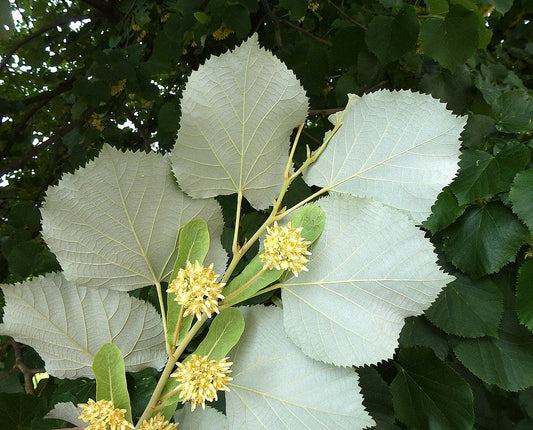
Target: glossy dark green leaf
pixel 468 308
pixel 390 37
pixel 110 373
pixel 483 175
pixel 428 394
pixel 521 196
pixel 484 239
pixel 452 40
pixel 524 294
pixel 477 129
pixel 506 361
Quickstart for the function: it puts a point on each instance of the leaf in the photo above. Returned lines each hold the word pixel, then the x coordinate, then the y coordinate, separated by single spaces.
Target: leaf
pixel 115 222
pixel 275 386
pixel 482 175
pixel 521 197
pixel 312 219
pixel 513 111
pixel 208 418
pixel 418 331
pixel 17 410
pixel 193 245
pixel 68 412
pixel 378 399
pixel 437 7
pixel 452 40
pixel 400 148
pixel 445 211
pixel 370 269
pixel 110 373
pixel 524 294
pixel 67 325
pixel 390 37
pixel 224 332
pixel 484 239
pixel 238 111
pixel 506 361
pixel 468 308
pixel 428 394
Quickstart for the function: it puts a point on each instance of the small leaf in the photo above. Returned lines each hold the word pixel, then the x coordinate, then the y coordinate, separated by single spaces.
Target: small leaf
pixel 193 245
pixel 370 268
pixel 418 331
pixel 524 294
pixel 51 315
pixel 237 109
pixel 521 197
pixel 445 211
pixel 468 308
pixel 481 175
pixel 452 40
pixel 224 332
pixel 68 412
pixel 429 394
pixel 484 239
pixel 378 399
pixel 109 370
pixel 506 361
pixel 115 222
pixel 208 418
pixel 400 148
pixel 437 7
pixel 276 386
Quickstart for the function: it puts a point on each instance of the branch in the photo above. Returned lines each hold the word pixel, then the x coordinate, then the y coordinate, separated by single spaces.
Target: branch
pixel 62 20
pixel 20 365
pixel 304 31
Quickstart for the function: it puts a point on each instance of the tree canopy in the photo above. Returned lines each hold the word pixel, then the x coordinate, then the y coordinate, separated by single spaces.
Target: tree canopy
pixel 76 75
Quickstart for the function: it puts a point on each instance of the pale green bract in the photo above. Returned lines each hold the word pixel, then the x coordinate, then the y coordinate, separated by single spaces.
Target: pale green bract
pixel 238 112
pixel 115 222
pixel 67 325
pixel 276 386
pixel 398 147
pixel 370 269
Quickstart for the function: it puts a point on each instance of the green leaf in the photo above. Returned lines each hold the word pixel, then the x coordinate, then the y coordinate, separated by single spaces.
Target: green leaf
pixel 451 39
pixel 110 373
pixel 297 8
pixel 484 239
pixel 445 211
pixel 521 197
pixel 276 386
pixel 506 361
pixel 208 418
pixel 237 109
pixel 193 245
pixel 370 268
pixel 115 222
pixel 513 111
pixel 501 6
pixel 202 17
pixel 482 175
pixel 390 37
pixel 400 148
pixel 312 219
pixel 468 308
pixel 224 332
pixel 476 131
pixel 437 7
pixel 50 314
pixel 168 117
pixel 524 294
pixel 428 394
pixel 17 410
pixel 418 331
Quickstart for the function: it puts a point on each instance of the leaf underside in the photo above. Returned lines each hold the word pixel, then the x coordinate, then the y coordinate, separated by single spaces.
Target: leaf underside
pixel 238 111
pixel 67 325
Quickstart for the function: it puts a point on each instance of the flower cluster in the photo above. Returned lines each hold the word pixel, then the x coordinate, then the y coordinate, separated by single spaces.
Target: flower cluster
pixel 200 379
pixel 103 416
pixel 196 290
pixel 285 249
pixel 158 423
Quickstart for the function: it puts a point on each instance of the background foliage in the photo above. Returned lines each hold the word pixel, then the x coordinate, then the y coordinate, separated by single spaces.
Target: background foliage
pixel 77 74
